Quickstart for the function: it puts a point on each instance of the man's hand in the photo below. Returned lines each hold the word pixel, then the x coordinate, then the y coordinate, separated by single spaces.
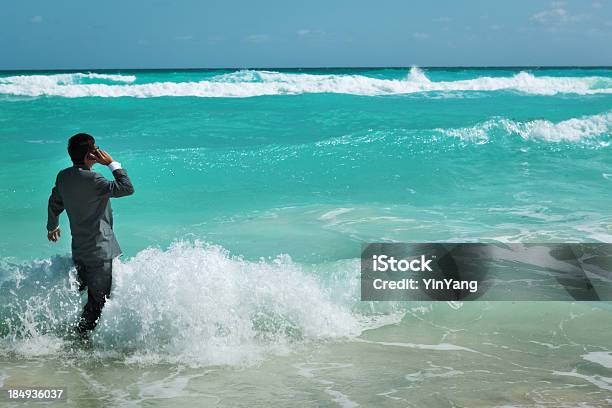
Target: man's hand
pixel 103 158
pixel 54 235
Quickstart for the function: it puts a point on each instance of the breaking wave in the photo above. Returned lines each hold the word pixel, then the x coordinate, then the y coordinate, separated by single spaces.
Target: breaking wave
pixel 248 83
pixel 571 130
pixel 192 303
pixel 30 84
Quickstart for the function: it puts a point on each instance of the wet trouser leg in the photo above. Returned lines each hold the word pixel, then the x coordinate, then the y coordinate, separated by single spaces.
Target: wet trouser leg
pixel 97 277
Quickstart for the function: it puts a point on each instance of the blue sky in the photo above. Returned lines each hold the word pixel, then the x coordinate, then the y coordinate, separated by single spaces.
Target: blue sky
pixel 43 34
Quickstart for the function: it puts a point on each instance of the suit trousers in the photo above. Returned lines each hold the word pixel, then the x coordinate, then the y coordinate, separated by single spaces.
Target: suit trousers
pixel 97 277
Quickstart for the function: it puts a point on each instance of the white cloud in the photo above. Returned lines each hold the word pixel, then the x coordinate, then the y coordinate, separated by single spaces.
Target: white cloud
pixel 36 19
pixel 420 36
pixel 596 4
pixel 257 38
pixel 496 27
pixel 557 15
pixel 184 37
pixel 308 33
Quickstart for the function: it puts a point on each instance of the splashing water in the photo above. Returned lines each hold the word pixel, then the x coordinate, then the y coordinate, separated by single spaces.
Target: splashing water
pixel 193 303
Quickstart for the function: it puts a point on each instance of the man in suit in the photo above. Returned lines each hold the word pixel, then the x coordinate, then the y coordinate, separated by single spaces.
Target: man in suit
pixel 85 195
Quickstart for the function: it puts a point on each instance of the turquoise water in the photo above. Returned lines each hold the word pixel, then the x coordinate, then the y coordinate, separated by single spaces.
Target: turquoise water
pixel 254 191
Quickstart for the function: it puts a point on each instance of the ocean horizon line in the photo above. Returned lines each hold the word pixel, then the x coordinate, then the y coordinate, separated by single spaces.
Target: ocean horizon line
pixel 322 68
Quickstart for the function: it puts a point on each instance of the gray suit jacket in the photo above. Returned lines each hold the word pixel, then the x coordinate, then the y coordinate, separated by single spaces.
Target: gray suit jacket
pixel 85 195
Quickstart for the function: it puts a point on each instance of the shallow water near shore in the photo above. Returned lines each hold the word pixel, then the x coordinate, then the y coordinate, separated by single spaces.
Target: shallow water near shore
pixel 239 283
pixel 475 354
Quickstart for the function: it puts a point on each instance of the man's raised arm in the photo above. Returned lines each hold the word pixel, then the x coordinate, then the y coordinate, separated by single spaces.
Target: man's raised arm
pixel 121 186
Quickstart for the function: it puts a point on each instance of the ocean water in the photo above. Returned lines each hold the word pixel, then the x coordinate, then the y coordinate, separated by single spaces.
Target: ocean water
pixel 239 283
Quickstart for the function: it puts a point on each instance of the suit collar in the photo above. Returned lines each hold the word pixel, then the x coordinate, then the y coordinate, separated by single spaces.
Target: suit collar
pixel 81 166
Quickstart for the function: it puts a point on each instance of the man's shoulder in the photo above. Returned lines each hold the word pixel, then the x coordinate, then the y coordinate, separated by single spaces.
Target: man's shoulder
pixel 77 172
pixel 63 173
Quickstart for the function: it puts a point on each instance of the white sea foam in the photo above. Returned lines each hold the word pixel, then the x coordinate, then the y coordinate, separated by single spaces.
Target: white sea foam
pixel 434 373
pixel 192 303
pixel 36 82
pixel 603 358
pixel 109 77
pixel 437 347
pixel 605 383
pixel 258 83
pixel 311 372
pixel 572 130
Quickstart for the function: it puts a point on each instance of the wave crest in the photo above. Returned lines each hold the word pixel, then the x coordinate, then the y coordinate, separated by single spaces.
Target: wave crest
pixel 249 83
pixel 570 130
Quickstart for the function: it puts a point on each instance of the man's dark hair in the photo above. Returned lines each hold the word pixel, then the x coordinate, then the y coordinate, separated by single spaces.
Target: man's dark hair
pixel 79 145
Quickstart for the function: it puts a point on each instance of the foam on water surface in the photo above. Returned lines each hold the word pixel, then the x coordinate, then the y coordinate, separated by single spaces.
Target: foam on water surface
pixel 193 303
pixel 260 83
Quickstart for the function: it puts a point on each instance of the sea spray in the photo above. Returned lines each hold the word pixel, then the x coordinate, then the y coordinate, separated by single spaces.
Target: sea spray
pixel 192 303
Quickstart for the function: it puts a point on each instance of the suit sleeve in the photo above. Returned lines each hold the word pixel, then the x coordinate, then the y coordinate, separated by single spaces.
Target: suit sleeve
pixel 54 209
pixel 120 187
